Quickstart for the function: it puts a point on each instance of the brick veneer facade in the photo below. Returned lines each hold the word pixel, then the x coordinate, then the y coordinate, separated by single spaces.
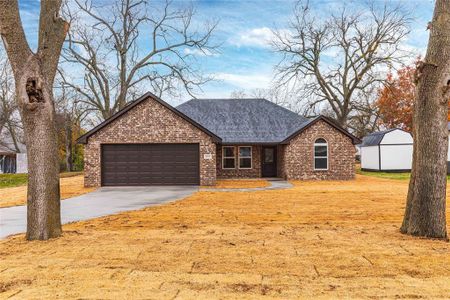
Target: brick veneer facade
pixel 280 161
pixel 254 172
pixel 296 159
pixel 148 122
pixel 152 122
pixel 298 156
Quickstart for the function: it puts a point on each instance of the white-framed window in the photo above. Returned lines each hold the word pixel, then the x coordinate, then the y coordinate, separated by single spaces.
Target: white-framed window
pixel 320 154
pixel 245 157
pixel 228 157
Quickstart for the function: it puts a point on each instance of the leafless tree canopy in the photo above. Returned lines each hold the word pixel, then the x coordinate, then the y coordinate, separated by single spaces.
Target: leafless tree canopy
pixel 104 41
pixel 70 113
pixel 276 94
pixel 332 61
pixel 365 117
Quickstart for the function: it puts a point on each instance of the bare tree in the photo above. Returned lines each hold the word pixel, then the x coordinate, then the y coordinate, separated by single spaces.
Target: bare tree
pixel 10 125
pixel 365 120
pixel 70 114
pixel 104 42
pixel 34 74
pixel 425 206
pixel 366 116
pixel 278 95
pixel 332 60
pixel 239 94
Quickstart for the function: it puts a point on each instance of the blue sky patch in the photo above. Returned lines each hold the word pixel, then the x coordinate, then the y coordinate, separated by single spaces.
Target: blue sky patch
pixel 245 59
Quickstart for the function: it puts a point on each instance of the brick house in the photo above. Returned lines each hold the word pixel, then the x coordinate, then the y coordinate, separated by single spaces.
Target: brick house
pixel 150 142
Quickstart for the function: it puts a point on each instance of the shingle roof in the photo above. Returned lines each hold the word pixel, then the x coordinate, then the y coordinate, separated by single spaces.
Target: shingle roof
pixel 244 120
pixel 375 138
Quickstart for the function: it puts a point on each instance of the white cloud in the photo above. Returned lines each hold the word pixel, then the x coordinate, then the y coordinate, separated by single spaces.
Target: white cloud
pixel 198 52
pixel 257 37
pixel 250 81
pixel 413 50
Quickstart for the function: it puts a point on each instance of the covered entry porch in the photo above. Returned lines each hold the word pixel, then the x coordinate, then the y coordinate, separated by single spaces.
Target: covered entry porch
pixel 249 160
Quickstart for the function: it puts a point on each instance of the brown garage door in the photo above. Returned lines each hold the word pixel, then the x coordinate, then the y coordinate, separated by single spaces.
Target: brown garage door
pixel 150 164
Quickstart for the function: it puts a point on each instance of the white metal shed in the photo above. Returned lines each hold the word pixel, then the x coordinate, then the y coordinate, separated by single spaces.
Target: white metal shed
pixel 389 150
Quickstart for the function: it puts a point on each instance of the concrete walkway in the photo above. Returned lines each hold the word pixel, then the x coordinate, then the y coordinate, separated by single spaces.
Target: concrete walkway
pixel 102 202
pixel 275 184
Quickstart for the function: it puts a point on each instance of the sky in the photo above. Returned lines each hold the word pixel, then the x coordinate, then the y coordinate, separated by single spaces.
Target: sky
pixel 245 60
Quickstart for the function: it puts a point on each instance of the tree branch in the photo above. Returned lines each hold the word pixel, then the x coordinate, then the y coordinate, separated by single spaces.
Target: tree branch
pixel 13 36
pixel 52 33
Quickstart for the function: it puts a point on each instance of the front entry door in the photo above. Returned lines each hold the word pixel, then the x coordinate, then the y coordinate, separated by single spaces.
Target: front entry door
pixel 269 161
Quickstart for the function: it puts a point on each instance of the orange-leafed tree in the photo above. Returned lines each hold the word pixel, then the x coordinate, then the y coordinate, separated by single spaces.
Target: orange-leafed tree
pixel 396 99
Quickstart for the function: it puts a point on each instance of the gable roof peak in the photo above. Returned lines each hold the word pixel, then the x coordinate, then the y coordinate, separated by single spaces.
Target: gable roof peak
pixel 327 120
pixel 83 139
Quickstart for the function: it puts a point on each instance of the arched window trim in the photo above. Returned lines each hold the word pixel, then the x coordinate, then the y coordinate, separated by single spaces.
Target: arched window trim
pixel 320 143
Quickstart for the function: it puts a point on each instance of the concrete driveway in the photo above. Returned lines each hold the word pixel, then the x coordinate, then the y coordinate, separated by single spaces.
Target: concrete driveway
pixel 102 202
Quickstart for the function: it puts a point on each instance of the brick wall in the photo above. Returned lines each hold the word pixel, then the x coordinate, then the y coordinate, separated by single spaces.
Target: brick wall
pixel 149 122
pixel 299 154
pixel 281 169
pixel 254 172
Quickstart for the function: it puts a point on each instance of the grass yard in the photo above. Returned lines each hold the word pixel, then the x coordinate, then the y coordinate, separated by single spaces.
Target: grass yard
pixel 386 175
pixel 12 180
pixel 71 186
pixel 239 184
pixel 317 240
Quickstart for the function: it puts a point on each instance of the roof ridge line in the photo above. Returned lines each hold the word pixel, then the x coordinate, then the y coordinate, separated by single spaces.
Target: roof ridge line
pixel 228 99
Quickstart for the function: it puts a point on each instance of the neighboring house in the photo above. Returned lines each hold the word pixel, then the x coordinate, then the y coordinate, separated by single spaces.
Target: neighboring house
pixel 12 161
pixel 150 142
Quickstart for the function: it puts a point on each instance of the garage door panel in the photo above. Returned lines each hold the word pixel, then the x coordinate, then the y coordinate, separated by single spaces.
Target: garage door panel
pixel 150 164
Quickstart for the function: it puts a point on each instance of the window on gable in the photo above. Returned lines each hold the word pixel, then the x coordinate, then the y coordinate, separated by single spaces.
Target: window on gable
pixel 245 157
pixel 320 154
pixel 228 157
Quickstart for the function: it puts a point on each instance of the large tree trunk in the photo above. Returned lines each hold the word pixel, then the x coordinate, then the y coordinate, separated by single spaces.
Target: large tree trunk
pixel 425 207
pixel 38 116
pixel 34 74
pixel 410 196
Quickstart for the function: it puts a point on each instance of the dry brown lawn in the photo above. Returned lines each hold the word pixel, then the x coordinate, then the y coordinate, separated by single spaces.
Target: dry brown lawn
pixel 239 184
pixel 316 240
pixel 70 187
